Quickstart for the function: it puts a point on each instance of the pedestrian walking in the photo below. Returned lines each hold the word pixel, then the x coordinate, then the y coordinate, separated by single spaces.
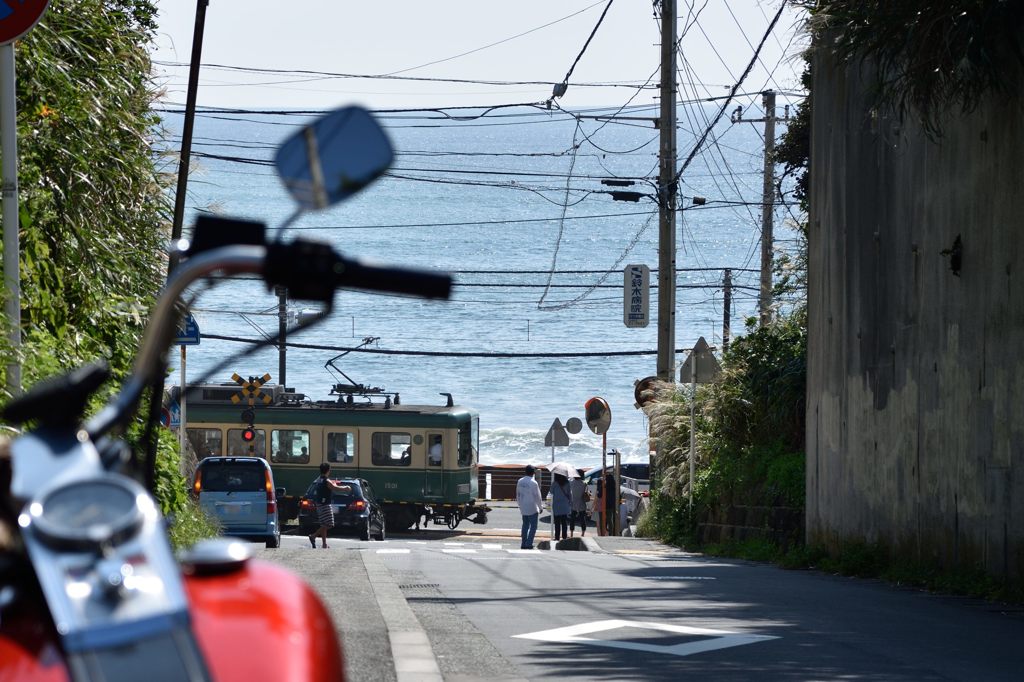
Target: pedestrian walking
pixel 530 505
pixel 561 505
pixel 322 494
pixel 597 506
pixel 578 497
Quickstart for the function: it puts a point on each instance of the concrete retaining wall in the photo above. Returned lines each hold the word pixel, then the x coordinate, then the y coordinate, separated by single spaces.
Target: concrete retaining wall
pixel 915 417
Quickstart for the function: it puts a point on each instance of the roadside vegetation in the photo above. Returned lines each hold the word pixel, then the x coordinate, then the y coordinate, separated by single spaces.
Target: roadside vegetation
pixel 94 211
pixel 927 58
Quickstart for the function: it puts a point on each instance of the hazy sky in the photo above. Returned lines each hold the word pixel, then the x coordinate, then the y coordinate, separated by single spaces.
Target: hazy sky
pixel 478 40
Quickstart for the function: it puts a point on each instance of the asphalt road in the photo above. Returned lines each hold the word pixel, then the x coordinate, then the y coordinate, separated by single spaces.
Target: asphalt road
pixel 469 605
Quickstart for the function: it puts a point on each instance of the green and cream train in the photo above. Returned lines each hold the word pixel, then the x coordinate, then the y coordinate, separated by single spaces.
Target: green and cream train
pixel 421 459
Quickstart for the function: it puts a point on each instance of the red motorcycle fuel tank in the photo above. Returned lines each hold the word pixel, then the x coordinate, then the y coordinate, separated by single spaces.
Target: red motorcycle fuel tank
pixel 262 622
pixel 255 622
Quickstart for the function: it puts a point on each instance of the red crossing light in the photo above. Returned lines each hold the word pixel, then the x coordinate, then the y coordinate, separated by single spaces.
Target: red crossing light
pixel 248 435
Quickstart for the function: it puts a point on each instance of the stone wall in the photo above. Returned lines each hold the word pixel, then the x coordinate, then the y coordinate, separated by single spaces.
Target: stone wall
pixel 915 404
pixel 782 526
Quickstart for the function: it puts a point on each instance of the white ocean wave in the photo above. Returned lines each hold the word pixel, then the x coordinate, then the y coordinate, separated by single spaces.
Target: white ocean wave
pixel 526 446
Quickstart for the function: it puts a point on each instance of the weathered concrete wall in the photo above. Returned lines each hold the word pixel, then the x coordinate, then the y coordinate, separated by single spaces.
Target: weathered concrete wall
pixel 915 409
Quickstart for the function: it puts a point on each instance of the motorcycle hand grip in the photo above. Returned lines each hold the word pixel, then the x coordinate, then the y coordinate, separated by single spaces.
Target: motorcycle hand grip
pixel 312 271
pixel 423 283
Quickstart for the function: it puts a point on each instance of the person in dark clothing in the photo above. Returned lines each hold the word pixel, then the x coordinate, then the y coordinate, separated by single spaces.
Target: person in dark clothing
pixel 561 506
pixel 579 498
pixel 324 512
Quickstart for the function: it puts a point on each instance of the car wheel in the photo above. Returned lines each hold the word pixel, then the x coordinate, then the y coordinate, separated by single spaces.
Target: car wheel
pixel 380 536
pixel 364 532
pixel 274 542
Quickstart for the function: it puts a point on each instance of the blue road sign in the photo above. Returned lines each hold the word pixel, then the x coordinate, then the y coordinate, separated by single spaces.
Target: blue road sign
pixel 189 334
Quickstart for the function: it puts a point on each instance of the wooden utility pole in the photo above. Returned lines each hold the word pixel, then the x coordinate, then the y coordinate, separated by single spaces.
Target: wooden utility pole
pixel 190 115
pixel 667 197
pixel 726 309
pixel 764 299
pixel 767 206
pixel 282 335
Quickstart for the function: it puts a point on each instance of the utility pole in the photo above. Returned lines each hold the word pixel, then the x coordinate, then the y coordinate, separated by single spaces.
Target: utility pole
pixel 667 197
pixel 767 212
pixel 764 299
pixel 282 335
pixel 190 115
pixel 726 309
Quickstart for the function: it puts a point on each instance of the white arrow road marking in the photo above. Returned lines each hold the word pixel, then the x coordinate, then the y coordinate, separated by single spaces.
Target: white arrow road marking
pixel 719 639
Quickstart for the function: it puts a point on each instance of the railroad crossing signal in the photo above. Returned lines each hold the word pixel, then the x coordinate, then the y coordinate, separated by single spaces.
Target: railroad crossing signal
pixel 251 389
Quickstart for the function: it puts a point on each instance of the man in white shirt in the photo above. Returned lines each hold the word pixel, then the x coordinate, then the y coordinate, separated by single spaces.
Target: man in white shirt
pixel 435 453
pixel 530 506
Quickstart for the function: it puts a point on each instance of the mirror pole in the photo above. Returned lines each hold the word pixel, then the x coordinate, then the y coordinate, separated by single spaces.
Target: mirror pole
pixel 603 515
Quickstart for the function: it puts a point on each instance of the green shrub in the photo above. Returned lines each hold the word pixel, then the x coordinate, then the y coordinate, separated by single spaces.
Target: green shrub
pixel 189 524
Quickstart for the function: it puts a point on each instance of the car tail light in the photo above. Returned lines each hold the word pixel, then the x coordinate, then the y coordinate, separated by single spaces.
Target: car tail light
pixel 306 504
pixel 197 485
pixel 271 500
pixel 357 505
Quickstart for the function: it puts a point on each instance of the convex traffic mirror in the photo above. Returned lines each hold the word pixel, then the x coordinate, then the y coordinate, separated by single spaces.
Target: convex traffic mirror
pixel 599 415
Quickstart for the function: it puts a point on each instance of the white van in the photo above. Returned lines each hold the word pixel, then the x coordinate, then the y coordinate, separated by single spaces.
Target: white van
pixel 239 493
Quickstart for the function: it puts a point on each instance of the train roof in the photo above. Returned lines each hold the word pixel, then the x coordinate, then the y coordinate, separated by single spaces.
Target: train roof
pixel 276 400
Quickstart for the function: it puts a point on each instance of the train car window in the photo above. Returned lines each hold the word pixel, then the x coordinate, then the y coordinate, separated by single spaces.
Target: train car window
pixel 391 449
pixel 289 446
pixel 467 444
pixel 341 448
pixel 206 442
pixel 435 449
pixel 238 447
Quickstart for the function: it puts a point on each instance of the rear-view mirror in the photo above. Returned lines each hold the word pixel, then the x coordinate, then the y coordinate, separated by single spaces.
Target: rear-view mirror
pixel 333 158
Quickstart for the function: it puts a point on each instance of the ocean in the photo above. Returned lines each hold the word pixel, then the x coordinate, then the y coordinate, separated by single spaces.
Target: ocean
pixel 513 205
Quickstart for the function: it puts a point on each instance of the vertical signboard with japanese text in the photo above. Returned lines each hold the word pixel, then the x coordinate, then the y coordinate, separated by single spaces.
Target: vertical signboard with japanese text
pixel 636 296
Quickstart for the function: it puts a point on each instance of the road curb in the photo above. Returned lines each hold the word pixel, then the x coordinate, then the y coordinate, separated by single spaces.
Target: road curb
pixel 411 652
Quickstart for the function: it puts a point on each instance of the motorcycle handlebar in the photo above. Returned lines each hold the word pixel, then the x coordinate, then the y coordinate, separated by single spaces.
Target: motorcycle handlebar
pixel 310 270
pixel 423 283
pixel 313 271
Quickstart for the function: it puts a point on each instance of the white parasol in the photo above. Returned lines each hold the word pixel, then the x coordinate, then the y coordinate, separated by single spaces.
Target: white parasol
pixel 564 468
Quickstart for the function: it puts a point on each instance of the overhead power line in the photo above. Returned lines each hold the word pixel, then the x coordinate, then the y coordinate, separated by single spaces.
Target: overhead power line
pixel 560 89
pixel 700 143
pixel 442 354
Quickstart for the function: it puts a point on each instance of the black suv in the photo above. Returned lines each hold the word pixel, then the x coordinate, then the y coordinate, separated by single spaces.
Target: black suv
pixel 356 510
